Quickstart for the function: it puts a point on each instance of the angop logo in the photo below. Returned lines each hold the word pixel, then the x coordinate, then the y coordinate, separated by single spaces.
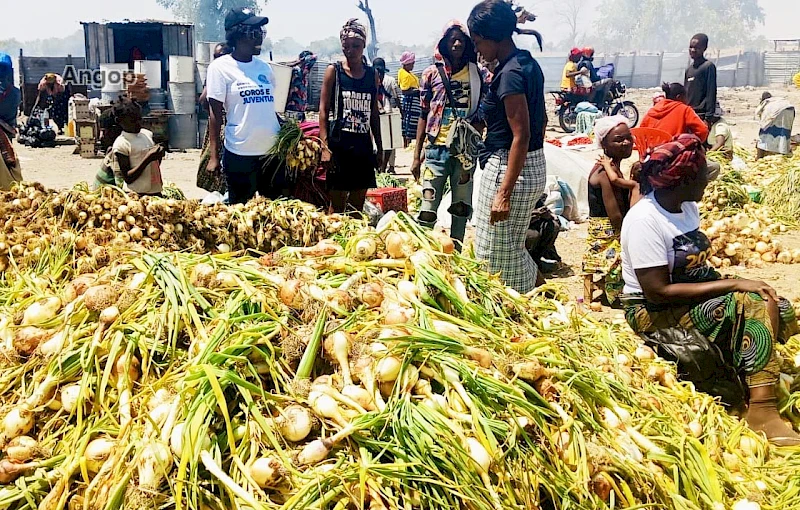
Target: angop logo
pixel 97 79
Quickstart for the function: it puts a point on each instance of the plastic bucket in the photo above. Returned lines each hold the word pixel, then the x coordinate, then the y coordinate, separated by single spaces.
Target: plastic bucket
pixel 182 97
pixel 158 99
pixel 283 82
pixel 202 52
pixel 151 69
pixel 113 77
pixel 181 69
pixel 111 96
pixel 182 131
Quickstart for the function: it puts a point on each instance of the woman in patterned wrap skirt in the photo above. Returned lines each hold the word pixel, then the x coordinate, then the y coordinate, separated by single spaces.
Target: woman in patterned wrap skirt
pixel 513 157
pixel 674 298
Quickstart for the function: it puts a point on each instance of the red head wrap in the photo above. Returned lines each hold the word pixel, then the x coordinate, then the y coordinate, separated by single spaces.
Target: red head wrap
pixel 674 162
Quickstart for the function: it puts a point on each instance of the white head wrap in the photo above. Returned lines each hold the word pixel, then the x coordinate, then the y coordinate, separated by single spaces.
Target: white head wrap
pixel 604 125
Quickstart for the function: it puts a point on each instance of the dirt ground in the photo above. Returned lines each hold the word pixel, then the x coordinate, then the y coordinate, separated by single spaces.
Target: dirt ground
pixel 60 168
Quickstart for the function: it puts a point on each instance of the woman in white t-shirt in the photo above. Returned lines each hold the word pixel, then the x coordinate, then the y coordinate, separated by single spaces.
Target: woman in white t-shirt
pixel 675 300
pixel 242 87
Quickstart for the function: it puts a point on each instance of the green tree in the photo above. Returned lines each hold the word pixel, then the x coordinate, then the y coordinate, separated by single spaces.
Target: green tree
pixel 208 16
pixel 326 48
pixel 287 48
pixel 51 47
pixel 669 25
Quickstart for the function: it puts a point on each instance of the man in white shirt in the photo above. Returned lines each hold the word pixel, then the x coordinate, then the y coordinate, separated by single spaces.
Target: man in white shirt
pixel 243 87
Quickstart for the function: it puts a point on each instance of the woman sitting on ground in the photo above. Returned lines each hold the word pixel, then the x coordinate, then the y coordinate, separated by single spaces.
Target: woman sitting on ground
pixel 674 299
pixel 720 137
pixel 609 202
pixel 673 115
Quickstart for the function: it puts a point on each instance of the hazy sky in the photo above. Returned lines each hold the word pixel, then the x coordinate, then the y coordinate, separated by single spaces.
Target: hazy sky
pixel 406 21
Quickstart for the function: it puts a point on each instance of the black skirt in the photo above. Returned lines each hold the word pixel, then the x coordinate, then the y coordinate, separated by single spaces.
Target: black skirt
pixel 353 163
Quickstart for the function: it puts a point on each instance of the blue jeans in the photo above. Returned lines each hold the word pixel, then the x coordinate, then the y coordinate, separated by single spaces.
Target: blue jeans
pixel 439 167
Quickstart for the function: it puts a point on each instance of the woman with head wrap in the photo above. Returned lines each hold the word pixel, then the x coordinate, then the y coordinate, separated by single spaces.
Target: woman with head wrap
pixel 349 120
pixel 409 86
pixel 54 97
pixel 718 330
pixel 609 201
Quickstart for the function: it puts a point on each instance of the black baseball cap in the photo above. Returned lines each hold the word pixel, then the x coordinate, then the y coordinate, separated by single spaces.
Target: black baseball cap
pixel 244 16
pixel 379 64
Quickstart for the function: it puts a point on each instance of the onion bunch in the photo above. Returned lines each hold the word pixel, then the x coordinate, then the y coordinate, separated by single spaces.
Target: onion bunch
pixel 391 376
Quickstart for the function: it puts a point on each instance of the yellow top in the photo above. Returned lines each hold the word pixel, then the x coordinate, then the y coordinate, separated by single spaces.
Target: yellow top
pixel 459 83
pixel 407 81
pixel 568 83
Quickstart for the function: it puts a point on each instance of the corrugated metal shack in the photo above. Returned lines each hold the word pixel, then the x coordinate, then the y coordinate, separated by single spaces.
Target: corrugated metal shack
pixel 30 70
pixel 783 63
pixel 121 42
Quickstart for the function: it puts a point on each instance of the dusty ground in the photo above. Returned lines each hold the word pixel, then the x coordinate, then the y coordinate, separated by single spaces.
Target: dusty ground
pixel 784 278
pixel 59 168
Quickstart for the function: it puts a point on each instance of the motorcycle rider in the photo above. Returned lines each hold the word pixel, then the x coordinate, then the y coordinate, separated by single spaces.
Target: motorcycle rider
pixel 571 71
pixel 601 86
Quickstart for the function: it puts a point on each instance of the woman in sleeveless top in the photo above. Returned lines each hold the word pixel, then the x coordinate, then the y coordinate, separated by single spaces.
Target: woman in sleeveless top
pixel 348 123
pixel 609 201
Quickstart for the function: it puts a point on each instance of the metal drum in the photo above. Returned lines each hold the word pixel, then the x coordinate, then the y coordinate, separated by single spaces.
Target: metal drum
pixel 158 99
pixel 182 98
pixel 183 131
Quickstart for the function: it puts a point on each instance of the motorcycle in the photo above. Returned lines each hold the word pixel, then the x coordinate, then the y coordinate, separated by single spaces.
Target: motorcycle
pixel 614 104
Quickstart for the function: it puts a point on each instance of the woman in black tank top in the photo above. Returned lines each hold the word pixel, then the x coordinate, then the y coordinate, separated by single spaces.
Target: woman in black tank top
pixel 349 122
pixel 609 201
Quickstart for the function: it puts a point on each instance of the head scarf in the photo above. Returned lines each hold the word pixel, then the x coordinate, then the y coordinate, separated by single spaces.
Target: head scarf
pixel 353 30
pixel 52 80
pixel 604 125
pixel 408 58
pixel 674 162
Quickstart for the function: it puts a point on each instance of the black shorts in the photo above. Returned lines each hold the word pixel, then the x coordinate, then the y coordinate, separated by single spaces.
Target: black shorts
pixel 248 175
